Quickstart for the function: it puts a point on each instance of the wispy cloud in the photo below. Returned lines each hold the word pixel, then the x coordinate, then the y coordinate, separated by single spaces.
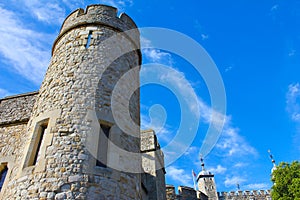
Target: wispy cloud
pixel 233 144
pixel 192 151
pixel 162 130
pixel 218 170
pixel 256 186
pixel 200 29
pixel 240 164
pixel 229 68
pixel 293 109
pixel 4 93
pixel 51 12
pixel 293 102
pixel 292 52
pixel 120 4
pixel 176 81
pixel 204 36
pixel 233 181
pixel 275 7
pixel 155 55
pixel 26 50
pixel 180 176
pixel 273 11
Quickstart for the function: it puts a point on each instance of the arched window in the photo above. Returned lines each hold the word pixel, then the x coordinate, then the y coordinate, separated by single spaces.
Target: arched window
pixel 3 174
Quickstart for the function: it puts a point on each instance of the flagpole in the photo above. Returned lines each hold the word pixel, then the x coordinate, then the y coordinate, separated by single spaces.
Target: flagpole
pixel 193 175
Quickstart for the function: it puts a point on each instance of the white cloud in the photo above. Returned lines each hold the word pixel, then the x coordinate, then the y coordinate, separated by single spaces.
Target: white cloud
pixel 293 101
pixel 231 143
pixel 155 55
pixel 51 12
pixel 176 82
pixel 218 170
pixel 120 4
pixel 162 130
pixel 4 93
pixel 292 52
pixel 229 68
pixel 204 36
pixel 275 7
pixel 193 151
pixel 200 29
pixel 240 165
pixel 74 4
pixel 257 186
pixel 233 181
pixel 26 50
pixel 180 176
pixel 234 144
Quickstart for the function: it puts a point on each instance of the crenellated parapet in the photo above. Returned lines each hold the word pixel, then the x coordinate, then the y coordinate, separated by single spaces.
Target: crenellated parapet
pixel 247 194
pixel 103 15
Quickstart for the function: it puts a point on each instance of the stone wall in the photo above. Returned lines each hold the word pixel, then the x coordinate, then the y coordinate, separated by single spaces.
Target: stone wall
pixel 153 166
pixel 17 109
pixel 187 193
pixel 246 195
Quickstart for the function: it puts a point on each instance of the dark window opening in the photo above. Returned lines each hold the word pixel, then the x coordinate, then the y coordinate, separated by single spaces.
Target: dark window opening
pixel 102 146
pixel 3 174
pixel 88 40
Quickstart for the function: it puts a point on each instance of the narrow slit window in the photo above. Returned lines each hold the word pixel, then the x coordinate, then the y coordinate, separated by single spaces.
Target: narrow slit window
pixel 88 43
pixel 37 144
pixel 103 146
pixel 3 174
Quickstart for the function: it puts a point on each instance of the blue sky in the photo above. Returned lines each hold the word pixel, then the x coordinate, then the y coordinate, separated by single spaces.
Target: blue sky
pixel 254 44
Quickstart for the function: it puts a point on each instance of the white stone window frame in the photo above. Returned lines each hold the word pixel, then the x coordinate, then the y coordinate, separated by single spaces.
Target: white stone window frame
pixel 48 118
pixel 92 141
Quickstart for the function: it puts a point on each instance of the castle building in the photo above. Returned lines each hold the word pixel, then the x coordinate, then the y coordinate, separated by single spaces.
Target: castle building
pixel 79 136
pixel 66 141
pixel 207 190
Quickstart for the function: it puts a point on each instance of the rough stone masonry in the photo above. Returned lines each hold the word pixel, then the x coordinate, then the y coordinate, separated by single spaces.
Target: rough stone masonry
pixel 65 141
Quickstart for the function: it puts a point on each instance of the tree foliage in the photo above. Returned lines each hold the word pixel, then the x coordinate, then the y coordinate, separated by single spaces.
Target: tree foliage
pixel 286 179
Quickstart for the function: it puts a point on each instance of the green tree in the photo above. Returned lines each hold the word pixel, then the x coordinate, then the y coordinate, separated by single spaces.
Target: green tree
pixel 286 179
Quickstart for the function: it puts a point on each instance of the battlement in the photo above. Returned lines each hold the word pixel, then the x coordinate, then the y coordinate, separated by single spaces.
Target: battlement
pixel 246 193
pixel 98 14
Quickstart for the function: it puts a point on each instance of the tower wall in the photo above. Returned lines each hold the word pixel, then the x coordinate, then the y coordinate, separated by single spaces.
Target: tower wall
pixel 207 185
pixel 65 131
pixel 153 166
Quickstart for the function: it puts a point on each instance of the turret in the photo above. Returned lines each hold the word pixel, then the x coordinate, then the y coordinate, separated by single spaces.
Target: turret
pixel 206 182
pixel 76 147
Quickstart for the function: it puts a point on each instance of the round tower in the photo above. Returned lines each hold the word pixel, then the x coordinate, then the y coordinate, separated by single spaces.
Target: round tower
pixel 75 148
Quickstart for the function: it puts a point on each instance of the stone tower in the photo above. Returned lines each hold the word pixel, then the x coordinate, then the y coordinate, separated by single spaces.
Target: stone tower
pixel 153 180
pixel 76 145
pixel 206 183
